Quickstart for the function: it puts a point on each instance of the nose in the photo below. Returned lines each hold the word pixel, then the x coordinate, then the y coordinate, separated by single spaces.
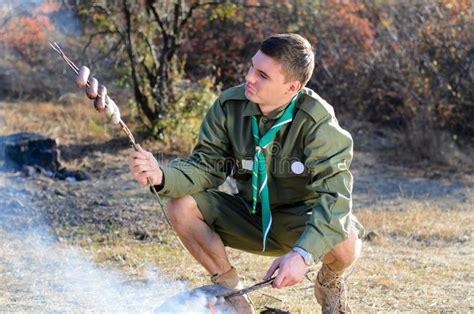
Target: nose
pixel 250 77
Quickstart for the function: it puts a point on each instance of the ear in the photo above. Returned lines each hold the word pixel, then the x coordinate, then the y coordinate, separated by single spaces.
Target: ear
pixel 294 86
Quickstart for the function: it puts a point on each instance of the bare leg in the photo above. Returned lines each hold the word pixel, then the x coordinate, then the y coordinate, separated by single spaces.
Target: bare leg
pixel 343 255
pixel 201 241
pixel 330 288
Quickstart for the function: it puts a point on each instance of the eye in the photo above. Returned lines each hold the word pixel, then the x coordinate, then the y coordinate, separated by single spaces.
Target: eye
pixel 263 76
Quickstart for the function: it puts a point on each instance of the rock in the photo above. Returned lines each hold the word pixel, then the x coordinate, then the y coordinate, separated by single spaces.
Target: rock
pixel 81 176
pixel 103 203
pixel 30 149
pixel 140 234
pixel 71 175
pixel 29 171
pixel 35 154
pixel 59 192
pixel 372 236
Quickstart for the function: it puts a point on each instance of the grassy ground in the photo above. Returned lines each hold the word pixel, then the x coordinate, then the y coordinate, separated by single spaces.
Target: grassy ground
pixel 417 256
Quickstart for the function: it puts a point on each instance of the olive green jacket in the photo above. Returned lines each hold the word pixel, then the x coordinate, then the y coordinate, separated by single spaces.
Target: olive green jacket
pixel 308 163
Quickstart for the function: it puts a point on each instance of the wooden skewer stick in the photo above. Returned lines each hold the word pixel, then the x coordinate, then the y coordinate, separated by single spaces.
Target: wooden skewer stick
pixel 122 124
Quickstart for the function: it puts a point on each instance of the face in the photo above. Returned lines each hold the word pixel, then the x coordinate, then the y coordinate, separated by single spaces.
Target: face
pixel 265 82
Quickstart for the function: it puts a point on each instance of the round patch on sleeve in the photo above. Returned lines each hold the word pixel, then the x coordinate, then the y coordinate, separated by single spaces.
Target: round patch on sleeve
pixel 297 167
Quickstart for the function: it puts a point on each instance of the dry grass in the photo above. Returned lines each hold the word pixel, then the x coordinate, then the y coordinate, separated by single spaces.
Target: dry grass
pixel 422 222
pixel 421 260
pixel 67 123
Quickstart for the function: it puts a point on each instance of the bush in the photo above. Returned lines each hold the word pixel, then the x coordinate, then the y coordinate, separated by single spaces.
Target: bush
pixel 392 63
pixel 186 114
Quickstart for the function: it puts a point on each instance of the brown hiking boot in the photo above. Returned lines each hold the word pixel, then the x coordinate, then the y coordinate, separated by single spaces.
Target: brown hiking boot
pixel 330 292
pixel 231 279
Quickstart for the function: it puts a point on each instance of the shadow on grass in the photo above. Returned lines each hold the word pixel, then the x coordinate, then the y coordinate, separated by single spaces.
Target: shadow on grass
pixel 75 151
pixel 80 150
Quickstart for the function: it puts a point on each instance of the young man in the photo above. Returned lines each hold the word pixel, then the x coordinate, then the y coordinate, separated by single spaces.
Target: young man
pixel 290 158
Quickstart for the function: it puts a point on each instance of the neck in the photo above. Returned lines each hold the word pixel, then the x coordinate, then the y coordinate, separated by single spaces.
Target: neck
pixel 267 109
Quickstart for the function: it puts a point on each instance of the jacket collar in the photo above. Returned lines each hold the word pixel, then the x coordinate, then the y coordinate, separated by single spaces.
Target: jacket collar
pixel 252 109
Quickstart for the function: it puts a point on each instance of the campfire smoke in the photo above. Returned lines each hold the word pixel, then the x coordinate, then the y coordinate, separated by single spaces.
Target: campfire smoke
pixel 38 273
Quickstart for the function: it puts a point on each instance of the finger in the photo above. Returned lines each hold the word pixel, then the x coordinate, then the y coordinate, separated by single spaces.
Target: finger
pixel 141 178
pixel 279 281
pixel 150 155
pixel 138 155
pixel 136 177
pixel 144 174
pixel 139 162
pixel 143 168
pixel 142 182
pixel 275 265
pixel 140 149
pixel 288 281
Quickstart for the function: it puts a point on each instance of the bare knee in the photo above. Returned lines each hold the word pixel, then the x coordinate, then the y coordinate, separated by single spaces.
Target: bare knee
pixel 182 211
pixel 345 253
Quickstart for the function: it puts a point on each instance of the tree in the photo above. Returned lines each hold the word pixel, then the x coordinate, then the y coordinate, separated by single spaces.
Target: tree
pixel 149 33
pixel 25 66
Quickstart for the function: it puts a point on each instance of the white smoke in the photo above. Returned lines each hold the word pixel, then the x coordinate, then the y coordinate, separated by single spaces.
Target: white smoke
pixel 39 274
pixel 52 278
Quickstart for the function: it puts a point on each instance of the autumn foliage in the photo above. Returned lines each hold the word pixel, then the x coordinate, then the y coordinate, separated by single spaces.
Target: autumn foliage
pixel 27 34
pixel 26 65
pixel 399 64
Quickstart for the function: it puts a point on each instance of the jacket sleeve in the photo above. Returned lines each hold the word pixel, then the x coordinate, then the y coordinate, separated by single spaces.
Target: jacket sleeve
pixel 329 151
pixel 208 165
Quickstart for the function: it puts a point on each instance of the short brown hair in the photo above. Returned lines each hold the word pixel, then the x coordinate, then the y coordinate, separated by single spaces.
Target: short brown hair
pixel 295 54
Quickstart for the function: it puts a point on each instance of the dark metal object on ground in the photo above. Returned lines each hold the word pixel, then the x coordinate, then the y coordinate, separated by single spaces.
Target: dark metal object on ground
pixel 271 310
pixel 217 298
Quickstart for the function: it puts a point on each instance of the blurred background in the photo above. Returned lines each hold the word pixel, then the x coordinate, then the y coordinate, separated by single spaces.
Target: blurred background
pixel 398 73
pixel 398 68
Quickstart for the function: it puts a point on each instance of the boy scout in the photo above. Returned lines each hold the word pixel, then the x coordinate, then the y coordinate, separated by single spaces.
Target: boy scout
pixel 290 158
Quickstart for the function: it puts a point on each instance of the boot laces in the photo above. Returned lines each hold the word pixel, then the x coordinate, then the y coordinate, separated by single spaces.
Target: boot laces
pixel 336 296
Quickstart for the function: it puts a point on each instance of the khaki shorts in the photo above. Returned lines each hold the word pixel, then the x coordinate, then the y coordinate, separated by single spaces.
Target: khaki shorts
pixel 229 216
